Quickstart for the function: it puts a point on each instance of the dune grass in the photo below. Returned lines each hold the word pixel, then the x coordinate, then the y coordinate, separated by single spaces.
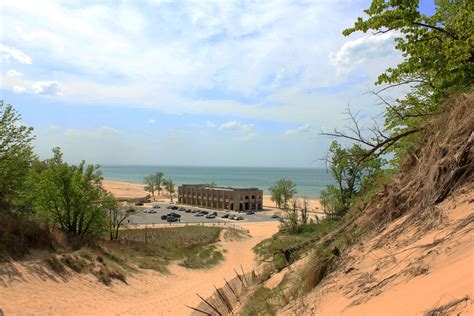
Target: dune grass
pixel 193 247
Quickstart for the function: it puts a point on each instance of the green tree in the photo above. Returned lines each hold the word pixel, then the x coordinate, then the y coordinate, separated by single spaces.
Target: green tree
pixel 15 158
pixel 150 185
pixel 159 179
pixel 282 192
pixel 170 187
pixel 437 61
pixel 71 196
pixel 353 172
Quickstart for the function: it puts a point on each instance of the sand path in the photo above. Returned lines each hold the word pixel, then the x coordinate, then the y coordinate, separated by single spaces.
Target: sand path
pixel 147 293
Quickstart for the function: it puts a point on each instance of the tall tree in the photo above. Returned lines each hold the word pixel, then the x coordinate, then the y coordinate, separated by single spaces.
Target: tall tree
pixel 118 218
pixel 71 196
pixel 150 185
pixel 437 61
pixel 15 157
pixel 170 187
pixel 159 178
pixel 282 192
pixel 353 174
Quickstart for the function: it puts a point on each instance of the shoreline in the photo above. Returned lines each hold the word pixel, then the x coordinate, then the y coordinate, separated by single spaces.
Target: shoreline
pixel 129 190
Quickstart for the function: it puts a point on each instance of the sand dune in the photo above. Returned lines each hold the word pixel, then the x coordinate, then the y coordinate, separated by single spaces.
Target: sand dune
pixel 148 293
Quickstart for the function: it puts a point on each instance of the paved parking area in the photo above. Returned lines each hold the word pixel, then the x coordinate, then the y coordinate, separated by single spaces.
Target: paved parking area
pixel 140 217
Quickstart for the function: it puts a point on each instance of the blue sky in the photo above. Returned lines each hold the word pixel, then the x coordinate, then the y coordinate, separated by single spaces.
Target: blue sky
pixel 228 83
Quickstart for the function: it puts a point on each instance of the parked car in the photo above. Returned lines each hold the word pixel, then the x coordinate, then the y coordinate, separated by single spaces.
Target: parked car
pixel 174 215
pixel 169 207
pixel 225 216
pixel 171 219
pixel 151 211
pixel 199 214
pixel 182 209
pixel 205 212
pixel 156 206
pixel 274 216
pixel 239 218
pixel 164 217
pixel 250 212
pixel 174 207
pixel 210 216
pixel 139 203
pixel 195 211
pixel 188 210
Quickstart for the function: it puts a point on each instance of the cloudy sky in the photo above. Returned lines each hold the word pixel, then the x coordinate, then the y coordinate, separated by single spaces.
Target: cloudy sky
pixel 228 83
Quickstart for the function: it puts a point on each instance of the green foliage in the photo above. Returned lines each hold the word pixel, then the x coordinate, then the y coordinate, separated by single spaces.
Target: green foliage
pixel 298 240
pixel 70 196
pixel 354 174
pixel 170 187
pixel 15 158
pixel 153 183
pixel 282 192
pixel 438 60
pixel 259 303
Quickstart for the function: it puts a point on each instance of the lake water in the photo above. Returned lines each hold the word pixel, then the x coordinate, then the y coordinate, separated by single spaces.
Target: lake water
pixel 309 181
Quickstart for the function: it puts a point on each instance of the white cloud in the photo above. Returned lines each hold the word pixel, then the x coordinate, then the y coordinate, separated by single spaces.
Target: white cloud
pixel 234 125
pixel 151 121
pixel 11 52
pixel 364 49
pixel 303 129
pixel 52 88
pixel 210 124
pixel 13 73
pixel 19 89
pixel 102 131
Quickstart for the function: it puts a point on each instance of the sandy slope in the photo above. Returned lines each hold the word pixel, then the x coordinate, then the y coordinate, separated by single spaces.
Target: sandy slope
pixel 405 273
pixel 27 292
pixel 127 190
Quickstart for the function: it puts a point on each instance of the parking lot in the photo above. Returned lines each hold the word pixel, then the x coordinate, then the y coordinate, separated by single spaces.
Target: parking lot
pixel 140 217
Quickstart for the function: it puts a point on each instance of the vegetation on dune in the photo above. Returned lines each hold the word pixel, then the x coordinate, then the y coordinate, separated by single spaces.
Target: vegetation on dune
pixel 437 69
pixel 154 183
pixel 282 192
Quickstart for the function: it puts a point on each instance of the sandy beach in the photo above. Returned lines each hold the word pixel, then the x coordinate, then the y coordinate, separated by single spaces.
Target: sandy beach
pixel 129 191
pixel 30 291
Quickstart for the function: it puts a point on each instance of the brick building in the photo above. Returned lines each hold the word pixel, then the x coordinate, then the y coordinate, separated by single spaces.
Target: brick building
pixel 237 199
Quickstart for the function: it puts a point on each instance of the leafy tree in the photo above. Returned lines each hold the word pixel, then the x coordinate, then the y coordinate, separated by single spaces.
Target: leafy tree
pixel 117 218
pixel 170 187
pixel 353 173
pixel 282 192
pixel 438 61
pixel 153 183
pixel 150 185
pixel 15 157
pixel 71 196
pixel 159 181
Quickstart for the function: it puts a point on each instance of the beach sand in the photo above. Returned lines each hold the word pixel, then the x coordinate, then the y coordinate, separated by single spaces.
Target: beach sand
pixel 30 289
pixel 130 191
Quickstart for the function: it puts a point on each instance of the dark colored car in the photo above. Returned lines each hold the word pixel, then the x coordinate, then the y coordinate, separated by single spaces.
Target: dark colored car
pixel 171 219
pixel 156 206
pixel 182 209
pixel 164 217
pixel 274 216
pixel 225 216
pixel 139 203
pixel 188 210
pixel 169 207
pixel 205 212
pixel 174 215
pixel 194 211
pixel 174 208
pixel 250 212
